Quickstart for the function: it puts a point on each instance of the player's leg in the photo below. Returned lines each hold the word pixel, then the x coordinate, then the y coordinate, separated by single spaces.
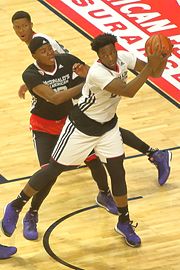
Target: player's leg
pixel 104 197
pixel 70 141
pixel 119 189
pixel 111 147
pixel 7 251
pixel 39 180
pixel 160 158
pixel 44 144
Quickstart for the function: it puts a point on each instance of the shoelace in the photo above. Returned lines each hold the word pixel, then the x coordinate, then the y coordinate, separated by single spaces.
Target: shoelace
pixel 110 198
pixel 132 227
pixel 32 220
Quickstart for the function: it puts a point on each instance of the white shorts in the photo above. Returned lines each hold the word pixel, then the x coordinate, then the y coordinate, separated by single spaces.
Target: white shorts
pixel 73 146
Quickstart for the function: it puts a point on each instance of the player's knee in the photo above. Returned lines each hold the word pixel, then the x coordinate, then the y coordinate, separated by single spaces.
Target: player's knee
pixel 54 168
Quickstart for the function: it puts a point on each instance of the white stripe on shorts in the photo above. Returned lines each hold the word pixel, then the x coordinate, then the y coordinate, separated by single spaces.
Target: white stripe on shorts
pixel 62 141
pixel 73 146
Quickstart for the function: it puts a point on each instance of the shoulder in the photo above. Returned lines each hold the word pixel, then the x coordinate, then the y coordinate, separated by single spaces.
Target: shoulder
pixel 31 70
pixel 98 69
pixel 128 58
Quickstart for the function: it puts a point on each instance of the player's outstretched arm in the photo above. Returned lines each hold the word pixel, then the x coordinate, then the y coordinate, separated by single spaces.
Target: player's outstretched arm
pixel 118 87
pixel 155 73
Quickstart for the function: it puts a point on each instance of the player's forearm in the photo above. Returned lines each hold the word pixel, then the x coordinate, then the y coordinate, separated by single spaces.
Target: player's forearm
pixel 66 95
pixel 132 87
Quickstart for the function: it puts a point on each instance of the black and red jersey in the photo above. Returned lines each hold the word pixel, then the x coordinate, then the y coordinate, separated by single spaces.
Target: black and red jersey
pixel 60 79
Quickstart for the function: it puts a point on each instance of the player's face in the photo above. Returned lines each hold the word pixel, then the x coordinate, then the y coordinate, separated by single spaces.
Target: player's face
pixel 23 29
pixel 45 55
pixel 108 56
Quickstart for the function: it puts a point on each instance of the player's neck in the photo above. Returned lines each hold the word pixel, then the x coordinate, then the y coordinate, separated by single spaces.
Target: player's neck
pixel 46 67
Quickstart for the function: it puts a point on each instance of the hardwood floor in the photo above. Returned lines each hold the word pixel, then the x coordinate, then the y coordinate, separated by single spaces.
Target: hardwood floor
pixel 87 239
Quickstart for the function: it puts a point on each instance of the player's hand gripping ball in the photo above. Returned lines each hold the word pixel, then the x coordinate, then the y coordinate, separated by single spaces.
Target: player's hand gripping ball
pixel 164 44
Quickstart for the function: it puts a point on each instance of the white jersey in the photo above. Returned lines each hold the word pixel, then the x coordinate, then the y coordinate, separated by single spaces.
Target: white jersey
pixel 96 102
pixel 55 45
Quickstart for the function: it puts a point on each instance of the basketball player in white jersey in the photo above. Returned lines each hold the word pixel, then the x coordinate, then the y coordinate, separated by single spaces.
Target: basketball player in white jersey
pixel 23 28
pixel 93 124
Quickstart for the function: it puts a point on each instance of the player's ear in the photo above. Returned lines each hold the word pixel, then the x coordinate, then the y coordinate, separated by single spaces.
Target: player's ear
pixel 32 25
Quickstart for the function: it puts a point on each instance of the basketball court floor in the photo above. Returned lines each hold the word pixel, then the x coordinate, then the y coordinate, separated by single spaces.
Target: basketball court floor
pixel 73 232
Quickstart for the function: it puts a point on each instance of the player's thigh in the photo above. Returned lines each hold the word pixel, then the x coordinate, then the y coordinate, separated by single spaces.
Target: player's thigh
pixel 110 144
pixel 73 146
pixel 44 144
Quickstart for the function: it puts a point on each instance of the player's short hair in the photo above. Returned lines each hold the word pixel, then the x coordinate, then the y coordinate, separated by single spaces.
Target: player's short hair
pixel 36 43
pixel 102 40
pixel 21 15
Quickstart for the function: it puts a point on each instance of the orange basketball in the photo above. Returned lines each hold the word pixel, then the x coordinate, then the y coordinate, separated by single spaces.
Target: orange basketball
pixel 161 40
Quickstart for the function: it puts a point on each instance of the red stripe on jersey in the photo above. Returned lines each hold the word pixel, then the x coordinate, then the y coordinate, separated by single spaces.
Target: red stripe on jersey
pixel 49 126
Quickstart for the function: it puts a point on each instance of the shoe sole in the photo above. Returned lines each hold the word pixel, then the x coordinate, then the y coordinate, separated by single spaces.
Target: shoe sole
pixel 1 224
pixel 118 231
pixel 169 164
pixel 3 231
pixel 170 158
pixel 8 257
pixel 102 206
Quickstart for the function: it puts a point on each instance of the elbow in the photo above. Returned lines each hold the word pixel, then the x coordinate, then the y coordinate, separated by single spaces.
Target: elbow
pixel 131 95
pixel 56 102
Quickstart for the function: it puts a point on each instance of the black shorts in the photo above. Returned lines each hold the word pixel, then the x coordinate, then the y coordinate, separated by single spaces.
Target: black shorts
pixel 44 144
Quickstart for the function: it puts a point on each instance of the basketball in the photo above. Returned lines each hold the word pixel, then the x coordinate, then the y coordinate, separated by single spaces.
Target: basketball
pixel 164 43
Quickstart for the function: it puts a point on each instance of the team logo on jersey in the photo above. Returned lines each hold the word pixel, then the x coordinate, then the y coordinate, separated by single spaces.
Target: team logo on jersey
pixel 41 72
pixel 60 66
pixel 74 75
